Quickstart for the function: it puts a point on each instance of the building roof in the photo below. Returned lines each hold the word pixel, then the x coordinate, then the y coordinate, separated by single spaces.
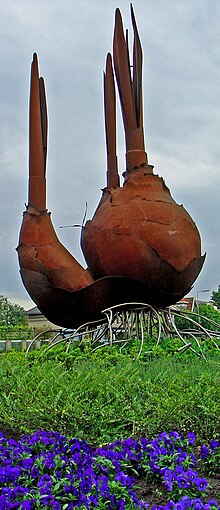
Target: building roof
pixel 187 302
pixel 33 312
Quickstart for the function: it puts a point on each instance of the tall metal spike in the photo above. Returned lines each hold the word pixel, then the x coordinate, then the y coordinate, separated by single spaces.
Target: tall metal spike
pixel 110 125
pixel 37 183
pixel 44 121
pixel 129 64
pixel 122 71
pixel 131 103
pixel 137 72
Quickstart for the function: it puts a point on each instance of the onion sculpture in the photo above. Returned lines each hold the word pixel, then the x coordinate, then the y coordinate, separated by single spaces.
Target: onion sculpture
pixel 139 246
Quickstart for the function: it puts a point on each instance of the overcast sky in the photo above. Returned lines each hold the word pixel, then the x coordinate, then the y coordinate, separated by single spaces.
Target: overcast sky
pixel 181 45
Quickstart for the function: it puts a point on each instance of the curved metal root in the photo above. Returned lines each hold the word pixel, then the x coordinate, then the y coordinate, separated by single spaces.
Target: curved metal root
pixel 136 322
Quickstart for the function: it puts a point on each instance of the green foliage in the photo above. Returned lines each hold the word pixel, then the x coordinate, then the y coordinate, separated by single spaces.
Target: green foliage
pixel 211 464
pixel 216 298
pixel 206 312
pixel 16 333
pixel 210 312
pixel 107 395
pixel 11 314
pixel 168 349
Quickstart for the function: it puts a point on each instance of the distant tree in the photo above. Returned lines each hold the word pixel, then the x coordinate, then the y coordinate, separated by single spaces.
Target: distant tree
pixel 209 312
pixel 215 298
pixel 204 311
pixel 11 314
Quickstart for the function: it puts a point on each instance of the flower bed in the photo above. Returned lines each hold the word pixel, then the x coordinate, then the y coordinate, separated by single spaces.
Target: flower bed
pixel 49 470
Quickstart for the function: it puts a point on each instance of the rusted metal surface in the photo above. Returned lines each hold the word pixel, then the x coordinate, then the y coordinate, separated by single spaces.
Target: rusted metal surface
pixel 40 250
pixel 138 230
pixel 139 246
pixel 110 125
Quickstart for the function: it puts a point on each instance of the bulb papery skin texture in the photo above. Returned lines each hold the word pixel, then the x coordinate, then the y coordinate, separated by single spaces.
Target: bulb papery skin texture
pixel 139 231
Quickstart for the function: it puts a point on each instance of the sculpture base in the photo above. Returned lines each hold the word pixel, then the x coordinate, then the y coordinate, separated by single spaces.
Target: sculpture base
pixel 138 322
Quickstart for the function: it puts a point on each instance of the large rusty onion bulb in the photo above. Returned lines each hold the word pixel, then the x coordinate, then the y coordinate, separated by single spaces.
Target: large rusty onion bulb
pixel 139 231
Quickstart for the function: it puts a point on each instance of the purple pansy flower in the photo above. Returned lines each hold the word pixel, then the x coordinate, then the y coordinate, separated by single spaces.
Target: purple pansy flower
pixel 201 484
pixel 191 438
